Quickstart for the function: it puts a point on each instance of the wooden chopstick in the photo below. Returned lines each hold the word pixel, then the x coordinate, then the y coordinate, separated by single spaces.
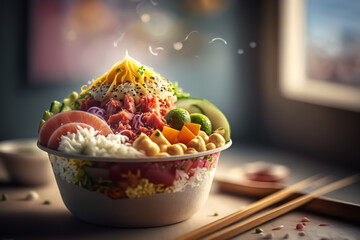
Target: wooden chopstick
pixel 276 212
pixel 252 208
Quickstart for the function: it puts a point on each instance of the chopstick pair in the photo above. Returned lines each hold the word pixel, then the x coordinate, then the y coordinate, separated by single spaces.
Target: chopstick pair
pixel 206 232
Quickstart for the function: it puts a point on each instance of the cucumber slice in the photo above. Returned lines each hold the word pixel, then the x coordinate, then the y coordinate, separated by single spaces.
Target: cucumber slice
pixel 47 115
pixel 73 96
pixel 217 118
pixel 55 107
pixel 65 108
pixel 72 101
pixel 67 102
pixel 42 121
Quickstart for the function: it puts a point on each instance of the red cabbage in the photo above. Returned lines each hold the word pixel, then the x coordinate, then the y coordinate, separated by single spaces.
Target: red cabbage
pixel 136 122
pixel 100 112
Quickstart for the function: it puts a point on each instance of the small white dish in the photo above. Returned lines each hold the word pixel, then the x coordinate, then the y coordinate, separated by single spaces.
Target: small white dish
pixel 24 162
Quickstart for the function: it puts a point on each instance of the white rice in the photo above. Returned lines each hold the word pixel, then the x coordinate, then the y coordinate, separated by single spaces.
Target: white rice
pixel 89 142
pixel 64 169
pixel 200 175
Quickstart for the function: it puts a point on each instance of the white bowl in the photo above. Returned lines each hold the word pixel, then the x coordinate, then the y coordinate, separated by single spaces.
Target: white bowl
pixel 24 162
pixel 190 181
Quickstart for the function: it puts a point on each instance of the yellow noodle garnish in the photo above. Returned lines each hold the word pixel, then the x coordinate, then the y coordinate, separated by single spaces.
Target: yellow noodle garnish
pixel 127 70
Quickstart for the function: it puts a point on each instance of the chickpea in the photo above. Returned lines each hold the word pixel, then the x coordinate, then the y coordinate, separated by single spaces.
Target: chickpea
pixel 144 143
pixel 163 147
pixel 191 150
pixel 139 140
pixel 184 147
pixel 221 131
pixel 217 139
pixel 204 136
pixel 159 138
pixel 210 146
pixel 175 149
pixel 198 144
pixel 162 154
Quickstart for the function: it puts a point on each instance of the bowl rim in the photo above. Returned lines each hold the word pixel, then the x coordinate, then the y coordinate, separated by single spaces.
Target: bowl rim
pixel 132 159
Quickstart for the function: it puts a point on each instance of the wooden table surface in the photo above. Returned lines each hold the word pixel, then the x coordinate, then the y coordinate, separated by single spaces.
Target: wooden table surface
pixel 21 219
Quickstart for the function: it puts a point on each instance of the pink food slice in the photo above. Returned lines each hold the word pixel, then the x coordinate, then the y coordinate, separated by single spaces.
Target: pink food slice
pixel 63 118
pixel 55 138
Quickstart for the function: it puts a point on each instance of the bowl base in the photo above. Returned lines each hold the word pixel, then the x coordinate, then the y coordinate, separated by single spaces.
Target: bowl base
pixel 151 211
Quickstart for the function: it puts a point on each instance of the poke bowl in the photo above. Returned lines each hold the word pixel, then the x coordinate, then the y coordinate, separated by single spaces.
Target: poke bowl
pixel 132 150
pixel 138 192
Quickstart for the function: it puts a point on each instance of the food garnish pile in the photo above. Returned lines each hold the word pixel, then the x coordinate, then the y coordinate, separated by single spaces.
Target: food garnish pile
pixel 131 111
pixel 142 109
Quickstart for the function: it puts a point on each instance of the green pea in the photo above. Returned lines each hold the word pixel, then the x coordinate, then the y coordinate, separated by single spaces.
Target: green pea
pixel 4 197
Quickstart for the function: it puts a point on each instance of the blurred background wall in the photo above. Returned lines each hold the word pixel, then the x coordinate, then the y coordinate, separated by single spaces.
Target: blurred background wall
pixel 240 77
pixel 216 71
